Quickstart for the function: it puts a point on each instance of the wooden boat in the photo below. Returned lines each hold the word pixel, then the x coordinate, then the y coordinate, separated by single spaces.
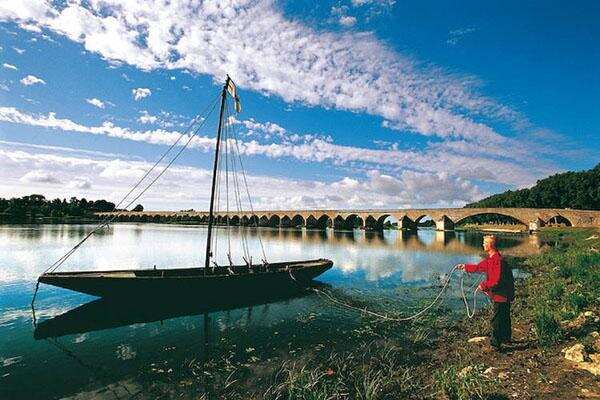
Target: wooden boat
pixel 210 282
pixel 219 282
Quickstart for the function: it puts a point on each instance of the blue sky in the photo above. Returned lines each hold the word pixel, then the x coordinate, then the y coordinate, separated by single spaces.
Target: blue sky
pixel 346 104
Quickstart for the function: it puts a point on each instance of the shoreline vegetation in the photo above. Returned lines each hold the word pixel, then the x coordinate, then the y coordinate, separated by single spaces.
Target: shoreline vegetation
pixel 555 352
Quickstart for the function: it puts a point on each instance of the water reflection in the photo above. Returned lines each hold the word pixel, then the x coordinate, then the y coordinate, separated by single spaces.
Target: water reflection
pixel 103 314
pixel 27 251
pixel 113 343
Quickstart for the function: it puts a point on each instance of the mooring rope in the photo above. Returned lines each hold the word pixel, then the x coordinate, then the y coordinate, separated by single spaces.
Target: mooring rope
pixel 332 299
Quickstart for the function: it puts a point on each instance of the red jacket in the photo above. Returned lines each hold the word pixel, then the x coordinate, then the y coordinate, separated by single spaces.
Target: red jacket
pixel 492 268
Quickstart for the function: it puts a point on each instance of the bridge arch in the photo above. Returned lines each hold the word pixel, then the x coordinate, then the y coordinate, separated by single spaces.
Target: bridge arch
pixel 254 221
pixel 234 220
pixel 285 222
pixel 324 222
pixel 274 221
pixel 339 223
pixel 263 221
pixel 558 220
pixel 483 217
pixel 387 220
pixel 425 220
pixel 371 223
pixel 354 221
pixel 298 221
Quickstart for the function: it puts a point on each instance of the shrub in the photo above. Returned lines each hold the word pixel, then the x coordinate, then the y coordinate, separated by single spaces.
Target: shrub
pixel 577 301
pixel 556 290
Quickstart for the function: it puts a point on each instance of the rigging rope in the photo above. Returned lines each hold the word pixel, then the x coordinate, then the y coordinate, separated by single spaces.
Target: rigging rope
pixel 194 127
pixel 248 194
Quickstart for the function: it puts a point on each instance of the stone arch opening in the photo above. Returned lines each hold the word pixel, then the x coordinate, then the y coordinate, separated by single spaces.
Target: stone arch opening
pixel 234 220
pixel 311 222
pixel 286 222
pixel 425 221
pixel 371 223
pixel 387 221
pixel 254 221
pixel 558 220
pixel 324 222
pixel 490 219
pixel 339 223
pixel 274 221
pixel 263 221
pixel 298 221
pixel 354 221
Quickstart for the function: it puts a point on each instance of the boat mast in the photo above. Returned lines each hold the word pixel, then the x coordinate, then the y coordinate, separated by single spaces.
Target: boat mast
pixel 214 177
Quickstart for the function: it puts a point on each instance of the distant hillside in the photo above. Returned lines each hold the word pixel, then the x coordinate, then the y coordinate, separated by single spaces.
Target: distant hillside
pixel 577 190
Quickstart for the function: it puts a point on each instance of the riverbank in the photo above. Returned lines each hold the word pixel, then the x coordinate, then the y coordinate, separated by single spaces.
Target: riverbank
pixel 437 356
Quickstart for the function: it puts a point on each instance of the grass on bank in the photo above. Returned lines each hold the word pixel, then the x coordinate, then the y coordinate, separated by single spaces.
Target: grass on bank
pixel 566 281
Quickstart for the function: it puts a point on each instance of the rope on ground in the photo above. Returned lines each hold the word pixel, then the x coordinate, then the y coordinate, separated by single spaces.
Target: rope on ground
pixel 401 319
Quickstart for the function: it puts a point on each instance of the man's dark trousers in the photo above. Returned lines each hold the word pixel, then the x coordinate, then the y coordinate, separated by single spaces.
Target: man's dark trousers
pixel 501 327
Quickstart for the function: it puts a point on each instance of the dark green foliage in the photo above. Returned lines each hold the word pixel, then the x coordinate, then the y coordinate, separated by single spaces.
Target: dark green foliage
pixel 577 190
pixel 556 290
pixel 577 301
pixel 36 208
pixel 138 208
pixel 547 328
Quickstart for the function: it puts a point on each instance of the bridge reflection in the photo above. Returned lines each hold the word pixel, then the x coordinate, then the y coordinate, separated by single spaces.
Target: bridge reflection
pixel 419 240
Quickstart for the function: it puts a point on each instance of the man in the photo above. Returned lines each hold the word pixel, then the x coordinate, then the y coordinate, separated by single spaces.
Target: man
pixel 499 285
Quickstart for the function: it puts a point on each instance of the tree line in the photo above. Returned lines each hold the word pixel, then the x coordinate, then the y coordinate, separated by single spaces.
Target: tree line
pixel 36 208
pixel 576 190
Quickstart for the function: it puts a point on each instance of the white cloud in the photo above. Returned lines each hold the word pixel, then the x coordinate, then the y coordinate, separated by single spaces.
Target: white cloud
pixel 461 159
pixel 80 184
pixel 18 50
pixel 146 118
pixel 178 189
pixel 264 51
pixel 347 20
pixel 9 66
pixel 32 80
pixel 140 93
pixel 40 176
pixel 96 102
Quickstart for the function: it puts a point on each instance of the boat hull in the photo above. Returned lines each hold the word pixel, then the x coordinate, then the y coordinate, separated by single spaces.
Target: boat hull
pixel 191 282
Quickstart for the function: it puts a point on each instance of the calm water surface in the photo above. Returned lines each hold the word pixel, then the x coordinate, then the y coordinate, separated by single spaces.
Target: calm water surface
pixel 104 351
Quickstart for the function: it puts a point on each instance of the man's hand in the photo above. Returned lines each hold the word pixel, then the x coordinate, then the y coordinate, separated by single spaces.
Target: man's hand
pixel 480 287
pixel 460 267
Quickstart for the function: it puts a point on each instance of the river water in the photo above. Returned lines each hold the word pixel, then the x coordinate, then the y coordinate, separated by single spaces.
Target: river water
pixel 100 351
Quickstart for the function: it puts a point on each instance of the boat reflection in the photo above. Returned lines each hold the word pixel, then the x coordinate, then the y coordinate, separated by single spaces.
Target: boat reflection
pixel 104 314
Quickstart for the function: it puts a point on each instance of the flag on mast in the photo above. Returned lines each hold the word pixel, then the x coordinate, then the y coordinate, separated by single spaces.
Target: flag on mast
pixel 231 88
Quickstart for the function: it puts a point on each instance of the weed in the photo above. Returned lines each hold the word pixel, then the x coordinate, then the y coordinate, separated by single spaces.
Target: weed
pixel 556 291
pixel 547 328
pixel 463 383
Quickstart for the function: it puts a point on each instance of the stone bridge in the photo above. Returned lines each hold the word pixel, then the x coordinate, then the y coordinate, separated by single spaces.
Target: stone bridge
pixel 444 218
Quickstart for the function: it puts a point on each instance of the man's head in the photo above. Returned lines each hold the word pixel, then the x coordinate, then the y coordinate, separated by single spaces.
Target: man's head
pixel 489 242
